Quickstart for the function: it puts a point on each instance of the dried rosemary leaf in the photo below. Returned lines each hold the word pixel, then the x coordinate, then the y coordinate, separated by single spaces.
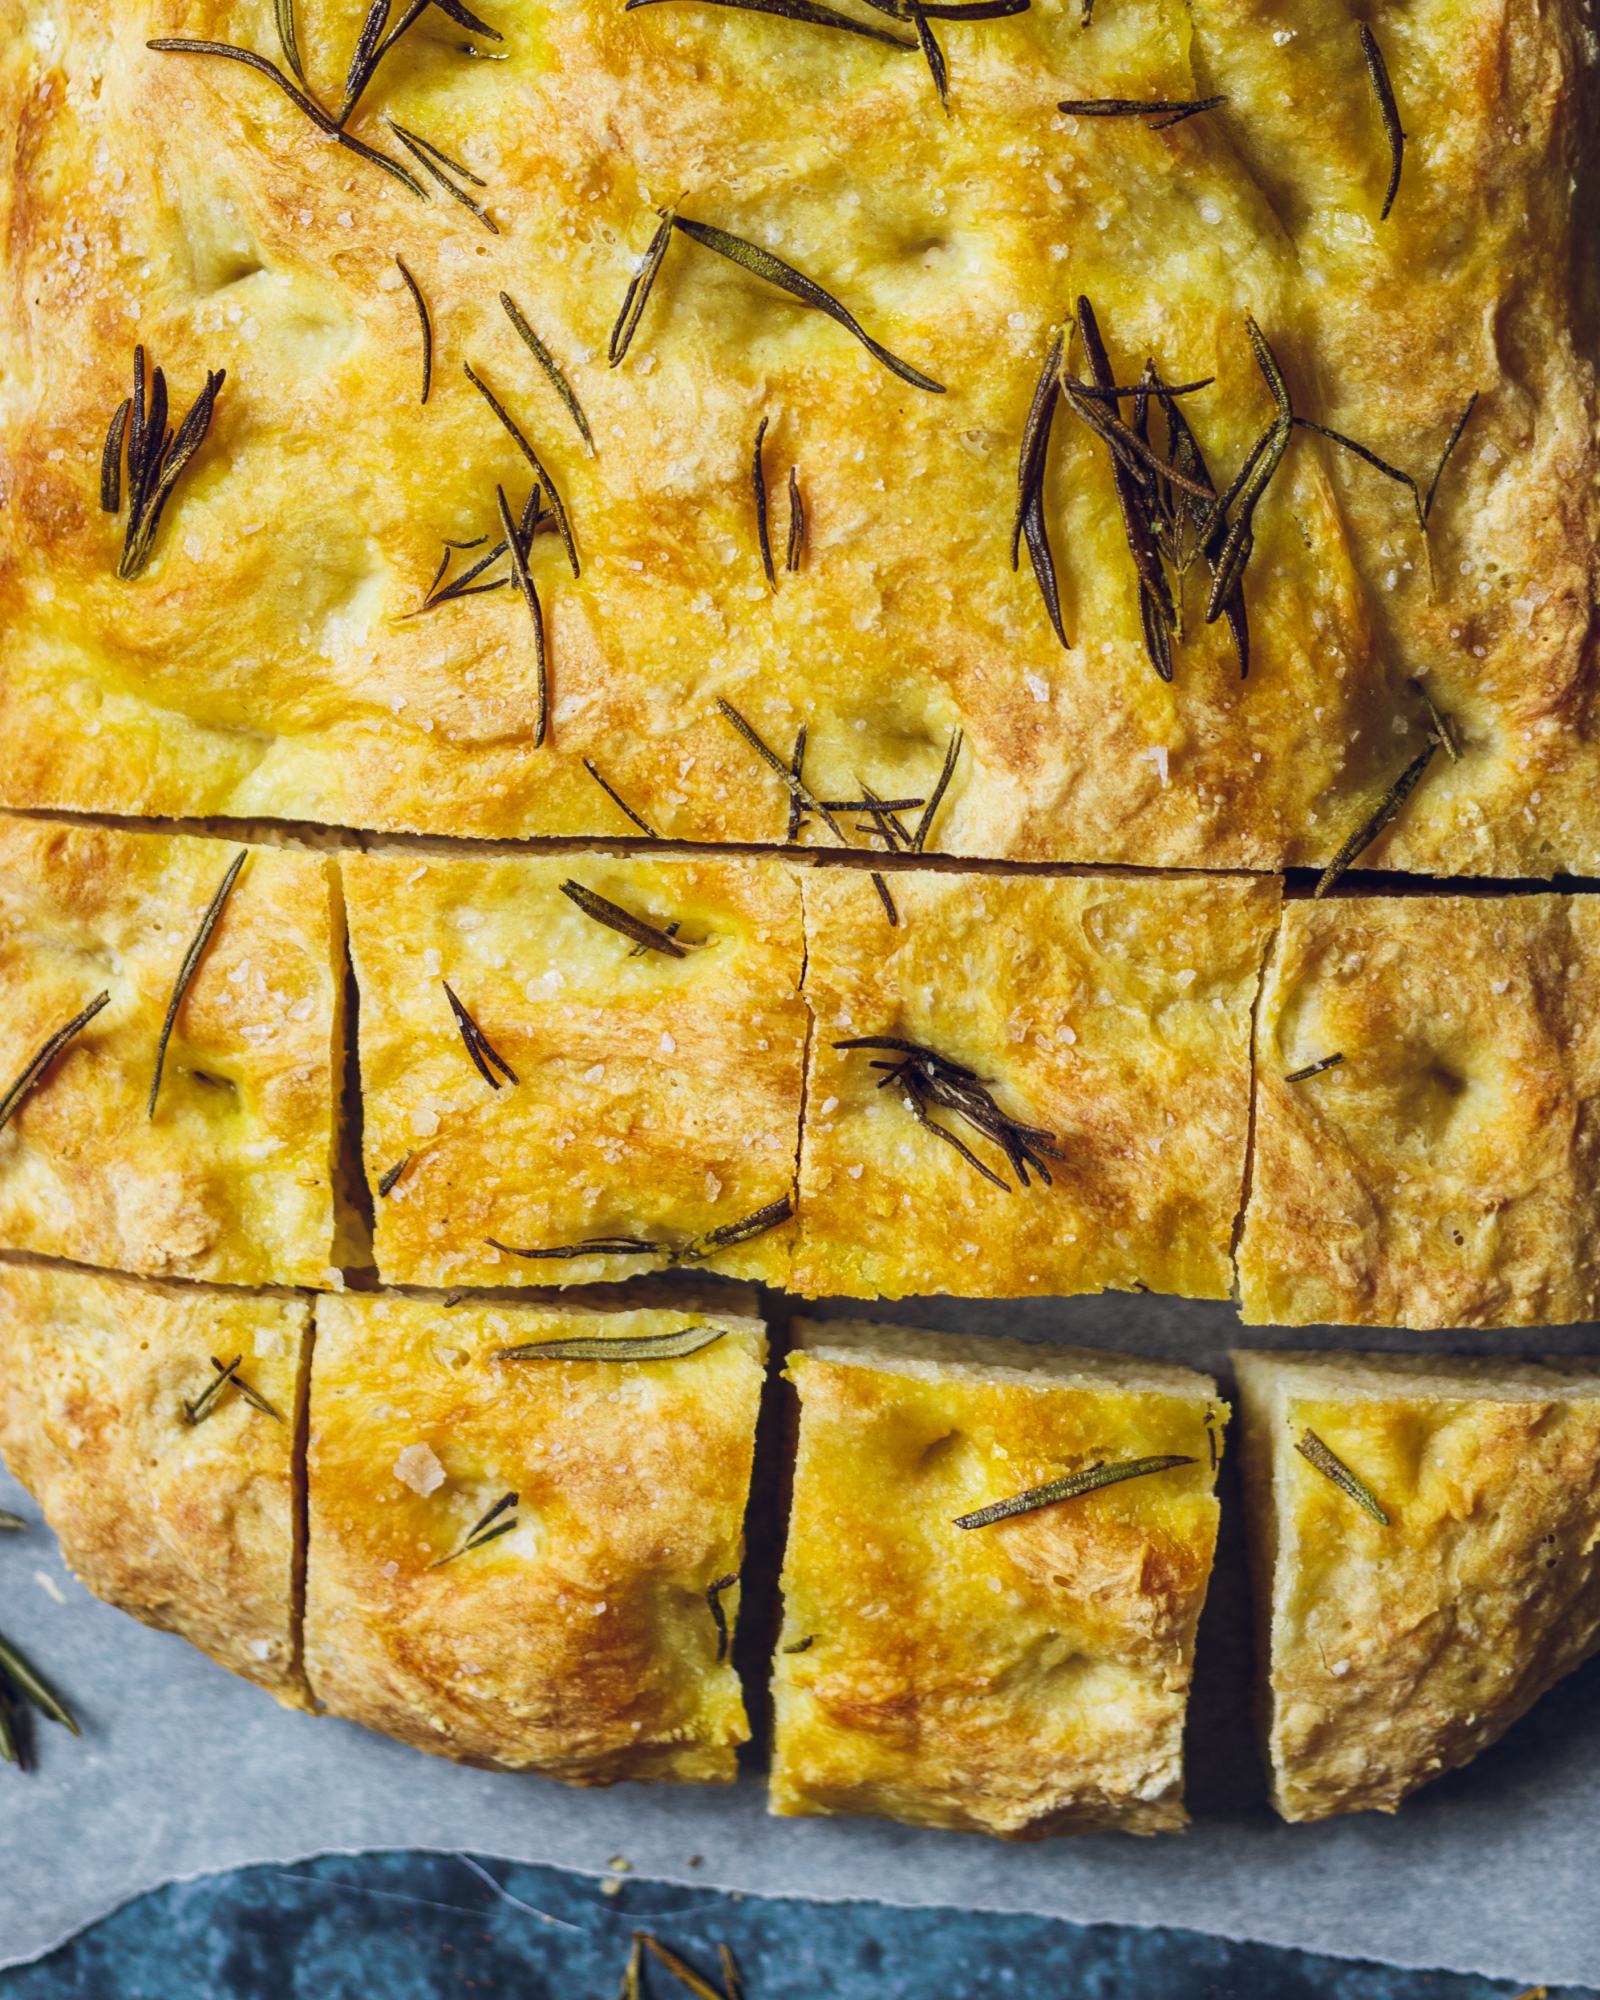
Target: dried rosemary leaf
pixel 33 1070
pixel 650 936
pixel 547 484
pixel 930 812
pixel 718 1616
pixel 640 285
pixel 1252 480
pixel 641 1347
pixel 809 11
pixel 1029 520
pixel 932 54
pixel 1088 1481
pixel 799 792
pixel 1312 1449
pixel 1166 111
pixel 774 271
pixel 1444 456
pixel 694 1251
pixel 111 459
pixel 551 367
pixel 731 1233
pixel 1377 820
pixel 802 1645
pixel 758 488
pixel 446 172
pixel 389 1179
pixel 794 547
pixel 485 1530
pixel 619 801
pixel 486 1058
pixel 797 771
pixel 1378 70
pixel 15 1669
pixel 1315 1069
pixel 227 1376
pixel 190 965
pixel 530 597
pixel 426 322
pixel 288 41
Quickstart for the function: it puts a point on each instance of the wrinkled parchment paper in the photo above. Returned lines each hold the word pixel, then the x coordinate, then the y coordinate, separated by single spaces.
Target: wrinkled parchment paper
pixel 184 1771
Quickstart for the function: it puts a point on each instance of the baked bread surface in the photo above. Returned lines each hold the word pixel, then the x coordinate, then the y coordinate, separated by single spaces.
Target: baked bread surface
pixel 1392 1653
pixel 1022 1679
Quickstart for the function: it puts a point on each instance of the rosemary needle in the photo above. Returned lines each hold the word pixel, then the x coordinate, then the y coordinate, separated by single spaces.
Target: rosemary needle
pixel 486 1058
pixel 11 1523
pixel 809 11
pixel 680 1969
pixel 718 1616
pixel 33 1070
pixel 618 800
pixel 637 296
pixel 794 547
pixel 190 965
pixel 15 1669
pixel 1088 1481
pixel 530 597
pixel 390 1176
pixel 547 484
pixel 651 936
pixel 642 1347
pixel 758 487
pixel 1312 1449
pixel 551 367
pixel 1378 819
pixel 448 173
pixel 1029 520
pixel 1315 1069
pixel 1378 70
pixel 427 331
pixel 1166 111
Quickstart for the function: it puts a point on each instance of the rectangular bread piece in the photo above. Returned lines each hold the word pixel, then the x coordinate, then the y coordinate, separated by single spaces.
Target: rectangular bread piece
pixel 231 1175
pixel 1394 1649
pixel 1020 1678
pixel 646 1098
pixel 187 1523
pixel 1446 1172
pixel 1112 1016
pixel 532 1562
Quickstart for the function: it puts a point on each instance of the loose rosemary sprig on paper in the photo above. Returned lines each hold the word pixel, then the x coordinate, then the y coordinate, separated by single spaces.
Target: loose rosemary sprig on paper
pixel 1312 1449
pixel 190 966
pixel 157 457
pixel 1389 111
pixel 22 1686
pixel 489 1528
pixel 719 1617
pixel 31 1075
pixel 646 935
pixel 760 263
pixel 1165 111
pixel 1317 1068
pixel 932 1082
pixel 389 1179
pixel 486 1058
pixel 226 1376
pixel 693 1250
pixel 675 1346
pixel 1090 1480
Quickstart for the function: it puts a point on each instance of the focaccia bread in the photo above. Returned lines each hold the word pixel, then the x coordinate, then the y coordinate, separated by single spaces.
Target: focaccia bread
pixel 620 1093
pixel 231 1174
pixel 1025 1677
pixel 265 657
pixel 1112 1017
pixel 532 1562
pixel 1396 1649
pixel 187 1521
pixel 1445 1172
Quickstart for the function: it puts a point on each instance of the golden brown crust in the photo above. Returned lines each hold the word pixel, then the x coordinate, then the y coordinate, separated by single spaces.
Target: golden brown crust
pixel 581 1644
pixel 189 1527
pixel 1114 1014
pixel 1025 1678
pixel 264 662
pixel 1445 1174
pixel 655 1097
pixel 1399 1652
pixel 232 1177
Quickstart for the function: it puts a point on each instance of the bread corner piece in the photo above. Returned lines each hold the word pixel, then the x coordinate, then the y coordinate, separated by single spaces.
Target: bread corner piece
pixel 1394 1651
pixel 532 1562
pixel 1024 1678
pixel 188 1525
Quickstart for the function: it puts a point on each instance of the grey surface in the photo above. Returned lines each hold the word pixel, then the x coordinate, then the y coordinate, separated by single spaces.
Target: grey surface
pixel 184 1771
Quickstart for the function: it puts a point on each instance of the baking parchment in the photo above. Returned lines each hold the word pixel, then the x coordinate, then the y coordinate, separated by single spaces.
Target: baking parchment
pixel 184 1771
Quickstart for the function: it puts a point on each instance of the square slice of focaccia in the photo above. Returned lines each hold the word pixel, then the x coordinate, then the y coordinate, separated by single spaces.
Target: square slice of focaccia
pixel 1024 1676
pixel 171 1488
pixel 532 1560
pixel 636 1090
pixel 229 1172
pixel 1445 1171
pixel 845 302
pixel 1053 1094
pixel 1425 1535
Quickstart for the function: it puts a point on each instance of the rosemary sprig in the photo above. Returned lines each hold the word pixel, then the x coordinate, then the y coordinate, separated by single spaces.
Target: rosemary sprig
pixel 189 967
pixel 1377 819
pixel 33 1069
pixel 794 547
pixel 1029 520
pixel 156 457
pixel 651 937
pixel 931 1081
pixel 512 535
pixel 16 1675
pixel 695 1250
pixel 1166 111
pixel 551 367
pixel 389 1179
pixel 1312 1449
pixel 227 1376
pixel 719 1617
pixel 1394 131
pixel 619 801
pixel 675 1346
pixel 1090 1480
pixel 547 484
pixel 808 11
pixel 446 172
pixel 486 1058
pixel 774 271
pixel 758 489
pixel 640 285
pixel 489 1529
pixel 424 320
pixel 1315 1069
